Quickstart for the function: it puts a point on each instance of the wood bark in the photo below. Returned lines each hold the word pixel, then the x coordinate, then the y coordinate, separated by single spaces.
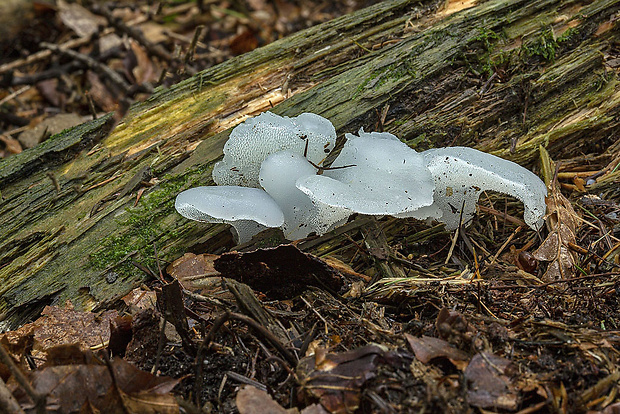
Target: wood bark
pixel 504 76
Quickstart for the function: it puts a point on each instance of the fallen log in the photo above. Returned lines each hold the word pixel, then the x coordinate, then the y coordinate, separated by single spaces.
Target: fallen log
pixel 503 76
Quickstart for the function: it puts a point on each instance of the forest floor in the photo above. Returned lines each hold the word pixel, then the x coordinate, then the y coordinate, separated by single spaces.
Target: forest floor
pixel 406 318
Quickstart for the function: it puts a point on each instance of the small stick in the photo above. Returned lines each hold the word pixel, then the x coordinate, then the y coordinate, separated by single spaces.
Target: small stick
pixel 505 216
pixel 192 46
pixel 245 380
pixel 44 54
pixel 160 344
pixel 503 246
pixel 13 95
pixel 114 78
pixel 118 24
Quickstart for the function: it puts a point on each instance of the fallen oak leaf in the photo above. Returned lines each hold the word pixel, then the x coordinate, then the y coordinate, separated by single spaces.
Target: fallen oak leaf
pixel 562 221
pixel 69 388
pixel 555 250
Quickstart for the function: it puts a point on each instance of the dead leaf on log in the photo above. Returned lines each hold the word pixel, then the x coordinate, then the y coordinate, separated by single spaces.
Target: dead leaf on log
pixel 428 348
pixel 251 400
pixel 488 383
pixel 195 271
pixel 139 299
pixel 281 272
pixel 60 326
pixel 337 379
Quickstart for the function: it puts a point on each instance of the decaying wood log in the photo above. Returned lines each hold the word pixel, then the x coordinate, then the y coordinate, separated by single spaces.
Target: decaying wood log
pixel 504 76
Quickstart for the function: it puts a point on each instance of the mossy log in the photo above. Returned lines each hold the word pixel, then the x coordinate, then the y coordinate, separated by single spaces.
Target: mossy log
pixel 504 76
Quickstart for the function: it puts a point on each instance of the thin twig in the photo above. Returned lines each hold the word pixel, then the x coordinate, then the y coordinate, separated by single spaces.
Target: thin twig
pixel 133 32
pixel 114 78
pixel 46 53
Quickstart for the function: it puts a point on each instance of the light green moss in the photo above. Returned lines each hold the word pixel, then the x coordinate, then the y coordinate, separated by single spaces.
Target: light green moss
pixel 141 226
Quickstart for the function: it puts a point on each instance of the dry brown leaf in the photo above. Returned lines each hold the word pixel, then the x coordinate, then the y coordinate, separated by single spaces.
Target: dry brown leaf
pixel 12 145
pixel 314 409
pixel 194 271
pixel 337 379
pixel 100 93
pixel 142 69
pixel 488 385
pixel 32 136
pixel 71 388
pixel 563 222
pixel 60 326
pixel 79 19
pixel 139 299
pixel 251 400
pixel 49 90
pixel 428 348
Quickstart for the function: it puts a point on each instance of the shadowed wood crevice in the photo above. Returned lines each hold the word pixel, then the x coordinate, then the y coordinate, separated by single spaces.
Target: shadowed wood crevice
pixel 78 209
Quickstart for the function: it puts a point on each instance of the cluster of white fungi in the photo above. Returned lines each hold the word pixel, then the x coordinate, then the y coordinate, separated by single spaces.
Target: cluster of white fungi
pixel 272 175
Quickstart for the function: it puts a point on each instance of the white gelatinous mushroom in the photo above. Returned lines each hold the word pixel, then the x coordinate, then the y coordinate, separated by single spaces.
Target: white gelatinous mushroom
pixel 376 174
pixel 302 216
pixel 251 142
pixel 462 173
pixel 248 210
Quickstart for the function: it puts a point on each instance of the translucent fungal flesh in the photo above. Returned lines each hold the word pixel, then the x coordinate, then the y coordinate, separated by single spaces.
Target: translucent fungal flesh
pixel 374 174
pixel 278 176
pixel 248 210
pixel 461 174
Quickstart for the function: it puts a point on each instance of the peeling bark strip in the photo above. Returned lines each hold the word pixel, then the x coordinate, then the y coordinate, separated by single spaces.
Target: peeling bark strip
pixel 505 76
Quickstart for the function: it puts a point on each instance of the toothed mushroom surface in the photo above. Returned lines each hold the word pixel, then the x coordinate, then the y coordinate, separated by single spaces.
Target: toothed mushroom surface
pixel 251 142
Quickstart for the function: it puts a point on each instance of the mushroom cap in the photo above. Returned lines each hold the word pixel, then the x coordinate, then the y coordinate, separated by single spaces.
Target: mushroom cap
pixel 229 204
pixel 376 174
pixel 278 176
pixel 462 173
pixel 251 142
